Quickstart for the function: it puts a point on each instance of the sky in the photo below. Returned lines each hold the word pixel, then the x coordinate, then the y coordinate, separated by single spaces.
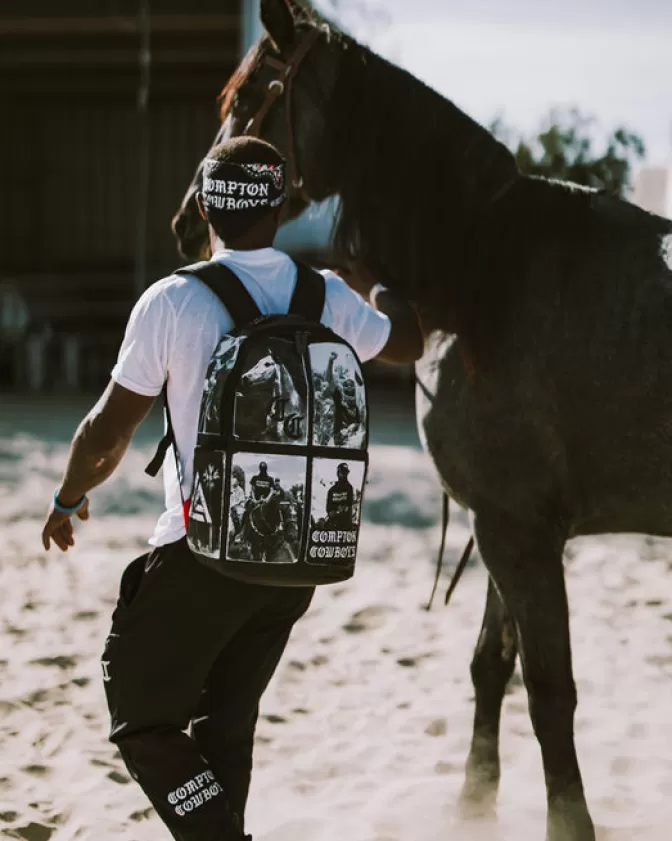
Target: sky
pixel 517 59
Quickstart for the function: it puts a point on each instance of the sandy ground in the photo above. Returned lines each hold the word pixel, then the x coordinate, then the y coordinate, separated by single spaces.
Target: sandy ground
pixel 365 728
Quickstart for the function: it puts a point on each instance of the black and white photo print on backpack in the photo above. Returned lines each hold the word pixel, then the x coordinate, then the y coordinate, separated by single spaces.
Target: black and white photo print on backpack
pixel 221 365
pixel 340 414
pixel 265 508
pixel 271 395
pixel 336 500
pixel 205 510
pixel 282 449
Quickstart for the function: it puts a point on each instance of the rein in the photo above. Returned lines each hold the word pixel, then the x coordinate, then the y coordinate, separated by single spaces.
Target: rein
pixel 462 564
pixel 282 85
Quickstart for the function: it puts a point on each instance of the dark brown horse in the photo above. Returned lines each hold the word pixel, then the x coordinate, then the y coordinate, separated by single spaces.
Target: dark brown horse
pixel 265 531
pixel 545 393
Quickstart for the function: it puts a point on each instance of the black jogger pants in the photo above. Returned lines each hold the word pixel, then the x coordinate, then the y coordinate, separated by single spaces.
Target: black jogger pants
pixel 191 647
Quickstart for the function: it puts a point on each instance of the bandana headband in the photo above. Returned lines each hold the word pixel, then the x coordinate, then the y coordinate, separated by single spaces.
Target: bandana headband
pixel 229 186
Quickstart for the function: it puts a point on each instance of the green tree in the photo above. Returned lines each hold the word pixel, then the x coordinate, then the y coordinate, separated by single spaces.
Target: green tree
pixel 563 148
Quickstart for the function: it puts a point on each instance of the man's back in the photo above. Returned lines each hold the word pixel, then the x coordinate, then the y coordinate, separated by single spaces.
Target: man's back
pixel 176 326
pixel 340 495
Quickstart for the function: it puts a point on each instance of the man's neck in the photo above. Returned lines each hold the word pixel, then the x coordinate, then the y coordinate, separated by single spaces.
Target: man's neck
pixel 244 243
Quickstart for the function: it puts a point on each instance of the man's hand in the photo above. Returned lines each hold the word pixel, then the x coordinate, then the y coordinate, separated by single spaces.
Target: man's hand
pixel 406 341
pixel 59 527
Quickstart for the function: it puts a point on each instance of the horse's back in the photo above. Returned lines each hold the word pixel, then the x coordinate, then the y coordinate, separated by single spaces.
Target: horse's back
pixel 575 407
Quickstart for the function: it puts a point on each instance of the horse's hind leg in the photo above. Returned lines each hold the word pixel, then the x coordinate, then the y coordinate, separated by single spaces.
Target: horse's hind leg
pixel 491 669
pixel 525 561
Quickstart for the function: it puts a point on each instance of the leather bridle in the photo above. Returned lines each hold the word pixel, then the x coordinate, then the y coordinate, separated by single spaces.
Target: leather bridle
pixel 282 85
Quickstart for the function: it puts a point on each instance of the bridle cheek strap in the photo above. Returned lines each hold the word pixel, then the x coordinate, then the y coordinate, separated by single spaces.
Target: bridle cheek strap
pixel 276 89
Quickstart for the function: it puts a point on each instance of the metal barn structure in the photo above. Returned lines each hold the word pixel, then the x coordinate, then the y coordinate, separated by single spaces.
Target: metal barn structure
pixel 106 106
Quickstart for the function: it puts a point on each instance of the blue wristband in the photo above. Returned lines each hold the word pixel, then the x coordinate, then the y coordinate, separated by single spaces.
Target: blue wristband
pixel 62 509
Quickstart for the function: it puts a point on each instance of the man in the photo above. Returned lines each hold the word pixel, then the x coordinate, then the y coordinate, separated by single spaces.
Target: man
pixel 279 491
pixel 262 483
pixel 340 500
pixel 346 412
pixel 237 498
pixel 187 645
pixel 260 487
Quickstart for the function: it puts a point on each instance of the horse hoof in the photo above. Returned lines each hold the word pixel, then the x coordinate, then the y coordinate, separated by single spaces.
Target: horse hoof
pixel 569 821
pixel 477 801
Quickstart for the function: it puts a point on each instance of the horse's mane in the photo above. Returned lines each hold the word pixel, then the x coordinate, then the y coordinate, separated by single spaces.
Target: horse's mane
pixel 303 17
pixel 412 167
pixel 238 78
pixel 432 204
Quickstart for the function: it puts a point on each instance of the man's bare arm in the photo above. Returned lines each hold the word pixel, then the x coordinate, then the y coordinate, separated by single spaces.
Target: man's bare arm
pixel 406 342
pixel 101 440
pixel 96 450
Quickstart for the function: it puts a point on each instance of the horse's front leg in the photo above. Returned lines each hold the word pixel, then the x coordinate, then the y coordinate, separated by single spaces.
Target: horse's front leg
pixel 525 561
pixel 491 668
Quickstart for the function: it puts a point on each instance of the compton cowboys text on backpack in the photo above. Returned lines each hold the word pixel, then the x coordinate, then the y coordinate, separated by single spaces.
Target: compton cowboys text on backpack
pixel 281 455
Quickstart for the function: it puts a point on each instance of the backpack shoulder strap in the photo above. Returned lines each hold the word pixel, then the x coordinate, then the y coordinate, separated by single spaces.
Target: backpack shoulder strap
pixel 231 291
pixel 307 300
pixel 309 293
pixel 165 444
pixel 228 287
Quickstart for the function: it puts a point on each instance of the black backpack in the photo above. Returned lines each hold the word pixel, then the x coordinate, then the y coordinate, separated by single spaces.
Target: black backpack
pixel 281 456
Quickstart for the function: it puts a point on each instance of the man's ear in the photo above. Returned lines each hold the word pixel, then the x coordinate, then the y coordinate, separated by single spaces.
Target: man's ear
pixel 278 20
pixel 201 207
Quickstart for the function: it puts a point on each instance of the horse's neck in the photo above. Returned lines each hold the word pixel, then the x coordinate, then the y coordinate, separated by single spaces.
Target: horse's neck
pixel 284 386
pixel 481 164
pixel 269 505
pixel 413 178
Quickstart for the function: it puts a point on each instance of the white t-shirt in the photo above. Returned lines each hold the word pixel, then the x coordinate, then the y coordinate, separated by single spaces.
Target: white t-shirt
pixel 175 327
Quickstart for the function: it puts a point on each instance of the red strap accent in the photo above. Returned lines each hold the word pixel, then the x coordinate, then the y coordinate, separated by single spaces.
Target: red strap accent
pixel 185 510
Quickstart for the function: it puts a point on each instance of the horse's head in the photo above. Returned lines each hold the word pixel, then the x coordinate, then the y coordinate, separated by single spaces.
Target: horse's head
pixel 264 371
pixel 416 177
pixel 279 92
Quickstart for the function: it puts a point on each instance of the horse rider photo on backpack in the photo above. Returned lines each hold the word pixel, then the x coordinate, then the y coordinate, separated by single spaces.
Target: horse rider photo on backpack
pixel 336 500
pixel 266 508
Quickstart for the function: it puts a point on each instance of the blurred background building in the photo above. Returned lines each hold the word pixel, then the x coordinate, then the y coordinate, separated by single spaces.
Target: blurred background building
pixel 108 105
pixel 98 144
